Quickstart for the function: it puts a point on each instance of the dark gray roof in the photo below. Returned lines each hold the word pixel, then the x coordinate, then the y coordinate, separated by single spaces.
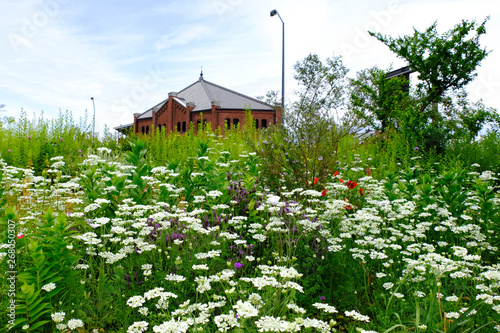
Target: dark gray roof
pixel 149 113
pixel 203 93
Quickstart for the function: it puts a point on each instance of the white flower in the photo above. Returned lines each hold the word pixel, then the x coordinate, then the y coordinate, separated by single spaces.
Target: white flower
pixel 175 278
pixel 214 194
pixel 138 327
pixel 226 322
pixel 245 309
pixel 135 301
pixel 75 323
pixel 273 200
pixel 61 326
pixel 172 326
pixel 49 287
pixel 388 285
pixel 325 307
pixel 357 316
pixel 57 317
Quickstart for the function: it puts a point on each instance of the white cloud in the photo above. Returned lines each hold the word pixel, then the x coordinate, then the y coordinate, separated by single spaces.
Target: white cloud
pixel 182 35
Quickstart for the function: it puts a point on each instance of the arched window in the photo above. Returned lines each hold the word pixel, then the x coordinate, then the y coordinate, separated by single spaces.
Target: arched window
pixel 227 123
pixel 147 129
pixel 184 126
pixel 263 123
pixel 142 129
pixel 256 123
pixel 178 126
pixel 236 121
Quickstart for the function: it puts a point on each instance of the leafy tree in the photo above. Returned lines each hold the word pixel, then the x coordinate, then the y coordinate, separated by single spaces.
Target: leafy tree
pixel 379 102
pixel 465 118
pixel 443 62
pixel 306 145
pixel 272 97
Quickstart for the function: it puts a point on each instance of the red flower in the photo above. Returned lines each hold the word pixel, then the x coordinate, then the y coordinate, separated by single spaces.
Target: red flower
pixel 323 193
pixel 361 191
pixel 350 184
pixel 340 180
pixel 315 180
pixel 347 207
pixel 368 172
pixel 20 235
pixel 335 174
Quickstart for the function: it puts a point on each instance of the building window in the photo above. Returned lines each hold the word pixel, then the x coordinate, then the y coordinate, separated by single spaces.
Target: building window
pixel 184 126
pixel 256 122
pixel 227 123
pixel 147 129
pixel 236 121
pixel 178 127
pixel 264 123
pixel 142 129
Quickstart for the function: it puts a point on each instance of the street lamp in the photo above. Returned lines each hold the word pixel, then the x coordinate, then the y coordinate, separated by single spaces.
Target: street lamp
pixel 93 122
pixel 273 13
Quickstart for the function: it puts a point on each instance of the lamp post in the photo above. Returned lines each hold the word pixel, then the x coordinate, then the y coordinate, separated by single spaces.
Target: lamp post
pixel 93 122
pixel 273 13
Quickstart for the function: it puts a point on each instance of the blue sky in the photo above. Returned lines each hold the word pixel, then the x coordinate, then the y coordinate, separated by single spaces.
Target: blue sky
pixel 128 55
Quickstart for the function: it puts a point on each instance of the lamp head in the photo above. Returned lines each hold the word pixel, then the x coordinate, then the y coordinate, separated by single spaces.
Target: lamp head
pixel 92 98
pixel 274 12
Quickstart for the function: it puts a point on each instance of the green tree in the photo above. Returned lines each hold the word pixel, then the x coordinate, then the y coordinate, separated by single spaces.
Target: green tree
pixel 306 145
pixel 443 62
pixel 379 102
pixel 272 97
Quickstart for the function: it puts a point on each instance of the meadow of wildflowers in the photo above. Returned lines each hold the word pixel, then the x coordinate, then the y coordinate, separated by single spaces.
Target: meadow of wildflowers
pixel 202 245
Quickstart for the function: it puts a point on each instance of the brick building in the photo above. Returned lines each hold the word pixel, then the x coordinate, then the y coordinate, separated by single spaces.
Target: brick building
pixel 220 107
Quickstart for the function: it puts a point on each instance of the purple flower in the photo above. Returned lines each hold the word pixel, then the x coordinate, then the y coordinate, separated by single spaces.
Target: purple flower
pixel 322 298
pixel 29 138
pixel 238 265
pixel 416 148
pixel 9 150
pixel 80 151
pixel 60 139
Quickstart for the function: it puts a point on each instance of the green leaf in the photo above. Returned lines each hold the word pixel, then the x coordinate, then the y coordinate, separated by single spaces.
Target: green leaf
pixel 39 313
pixel 40 323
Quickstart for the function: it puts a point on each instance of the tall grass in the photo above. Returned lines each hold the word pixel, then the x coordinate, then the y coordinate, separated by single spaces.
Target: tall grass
pixel 33 141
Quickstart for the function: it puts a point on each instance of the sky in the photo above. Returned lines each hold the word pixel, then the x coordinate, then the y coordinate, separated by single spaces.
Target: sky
pixel 128 54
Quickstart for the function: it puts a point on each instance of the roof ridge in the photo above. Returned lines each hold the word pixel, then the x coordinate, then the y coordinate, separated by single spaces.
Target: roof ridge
pixel 206 90
pixel 238 93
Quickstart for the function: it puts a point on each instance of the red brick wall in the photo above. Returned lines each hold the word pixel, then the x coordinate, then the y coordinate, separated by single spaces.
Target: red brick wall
pixel 172 114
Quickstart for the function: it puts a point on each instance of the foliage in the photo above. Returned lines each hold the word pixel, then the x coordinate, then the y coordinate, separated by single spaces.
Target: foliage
pixel 443 62
pixel 33 142
pixel 308 143
pixel 379 102
pixel 361 249
pixel 445 65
